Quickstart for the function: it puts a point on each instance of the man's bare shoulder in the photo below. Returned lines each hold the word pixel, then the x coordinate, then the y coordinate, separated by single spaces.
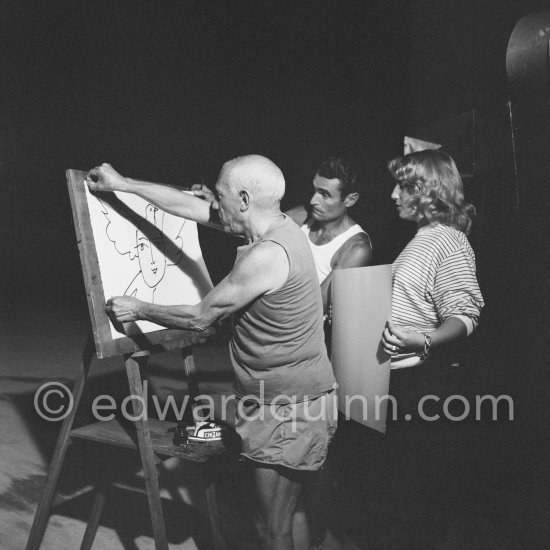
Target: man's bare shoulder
pixel 355 252
pixel 266 251
pixel 298 214
pixel 265 265
pixel 265 257
pixel 359 239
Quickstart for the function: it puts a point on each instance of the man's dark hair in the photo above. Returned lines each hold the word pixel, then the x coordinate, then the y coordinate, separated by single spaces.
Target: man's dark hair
pixel 341 168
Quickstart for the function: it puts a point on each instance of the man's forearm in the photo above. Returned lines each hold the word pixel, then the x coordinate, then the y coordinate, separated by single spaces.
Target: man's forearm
pixel 170 199
pixel 105 178
pixel 181 317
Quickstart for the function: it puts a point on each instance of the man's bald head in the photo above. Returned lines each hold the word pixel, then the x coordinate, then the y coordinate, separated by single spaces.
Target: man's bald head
pixel 258 176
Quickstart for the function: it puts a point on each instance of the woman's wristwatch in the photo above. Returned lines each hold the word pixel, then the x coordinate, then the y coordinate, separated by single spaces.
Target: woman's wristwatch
pixel 427 346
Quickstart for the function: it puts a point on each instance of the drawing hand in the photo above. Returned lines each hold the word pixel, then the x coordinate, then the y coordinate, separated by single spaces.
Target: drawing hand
pixel 203 192
pixel 105 178
pixel 124 309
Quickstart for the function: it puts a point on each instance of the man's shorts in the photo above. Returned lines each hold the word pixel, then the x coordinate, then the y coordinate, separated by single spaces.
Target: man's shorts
pixel 294 435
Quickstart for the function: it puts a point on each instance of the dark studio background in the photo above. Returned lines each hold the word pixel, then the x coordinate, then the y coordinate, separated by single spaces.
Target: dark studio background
pixel 168 91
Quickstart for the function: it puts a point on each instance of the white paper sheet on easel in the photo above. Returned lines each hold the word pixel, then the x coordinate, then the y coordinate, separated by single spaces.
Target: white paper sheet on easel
pixel 146 253
pixel 361 305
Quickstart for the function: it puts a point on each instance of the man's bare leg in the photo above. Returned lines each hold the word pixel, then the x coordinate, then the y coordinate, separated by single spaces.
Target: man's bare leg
pixel 278 491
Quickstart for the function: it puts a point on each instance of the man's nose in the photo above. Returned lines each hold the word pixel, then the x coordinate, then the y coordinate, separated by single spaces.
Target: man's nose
pixel 314 200
pixel 395 193
pixel 215 205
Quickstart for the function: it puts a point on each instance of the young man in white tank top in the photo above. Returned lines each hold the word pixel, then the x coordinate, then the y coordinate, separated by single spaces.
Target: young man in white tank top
pixel 336 241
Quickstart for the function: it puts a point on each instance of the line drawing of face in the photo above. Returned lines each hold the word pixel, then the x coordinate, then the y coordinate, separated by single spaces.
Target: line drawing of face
pixel 148 246
pixel 152 260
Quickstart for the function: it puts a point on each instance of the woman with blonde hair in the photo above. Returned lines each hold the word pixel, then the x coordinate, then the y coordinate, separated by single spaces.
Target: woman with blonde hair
pixel 436 301
pixel 436 297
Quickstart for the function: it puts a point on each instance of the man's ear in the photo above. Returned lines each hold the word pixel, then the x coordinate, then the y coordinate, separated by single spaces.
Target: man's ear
pixel 351 199
pixel 245 201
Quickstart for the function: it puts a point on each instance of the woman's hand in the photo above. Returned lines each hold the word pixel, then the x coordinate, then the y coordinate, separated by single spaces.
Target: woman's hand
pixel 401 340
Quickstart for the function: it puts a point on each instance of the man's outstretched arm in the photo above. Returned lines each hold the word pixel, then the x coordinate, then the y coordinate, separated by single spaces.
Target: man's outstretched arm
pixel 167 198
pixel 264 269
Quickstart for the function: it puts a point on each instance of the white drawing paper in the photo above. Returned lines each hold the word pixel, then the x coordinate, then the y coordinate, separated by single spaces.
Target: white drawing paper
pixel 146 253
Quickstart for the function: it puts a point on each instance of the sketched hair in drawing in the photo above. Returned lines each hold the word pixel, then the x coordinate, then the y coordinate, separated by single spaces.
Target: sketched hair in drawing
pixel 143 236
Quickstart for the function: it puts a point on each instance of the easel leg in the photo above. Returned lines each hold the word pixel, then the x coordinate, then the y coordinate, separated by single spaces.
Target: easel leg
pixel 209 481
pixel 56 463
pixel 93 522
pixel 190 373
pixel 191 379
pixel 147 456
pixel 209 475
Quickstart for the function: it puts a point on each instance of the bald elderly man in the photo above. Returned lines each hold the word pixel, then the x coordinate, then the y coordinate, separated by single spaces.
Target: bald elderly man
pixel 283 378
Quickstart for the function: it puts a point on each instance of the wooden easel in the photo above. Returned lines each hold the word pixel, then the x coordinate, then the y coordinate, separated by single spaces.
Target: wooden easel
pixel 152 438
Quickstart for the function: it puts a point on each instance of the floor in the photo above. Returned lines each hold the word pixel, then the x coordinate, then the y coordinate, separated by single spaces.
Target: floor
pixel 500 508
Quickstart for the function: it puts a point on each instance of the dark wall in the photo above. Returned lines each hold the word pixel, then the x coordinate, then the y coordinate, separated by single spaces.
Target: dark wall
pixel 167 91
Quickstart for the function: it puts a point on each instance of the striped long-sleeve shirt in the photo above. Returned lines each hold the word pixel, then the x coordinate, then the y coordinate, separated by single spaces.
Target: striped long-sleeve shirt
pixel 435 278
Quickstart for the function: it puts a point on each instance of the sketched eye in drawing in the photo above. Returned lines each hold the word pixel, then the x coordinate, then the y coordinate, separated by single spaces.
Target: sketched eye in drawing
pixel 143 238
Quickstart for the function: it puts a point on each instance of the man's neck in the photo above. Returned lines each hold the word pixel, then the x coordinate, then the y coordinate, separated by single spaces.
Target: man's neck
pixel 260 225
pixel 335 227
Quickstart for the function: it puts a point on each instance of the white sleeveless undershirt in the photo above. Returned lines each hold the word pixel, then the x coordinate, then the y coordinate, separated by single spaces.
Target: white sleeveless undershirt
pixel 323 254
